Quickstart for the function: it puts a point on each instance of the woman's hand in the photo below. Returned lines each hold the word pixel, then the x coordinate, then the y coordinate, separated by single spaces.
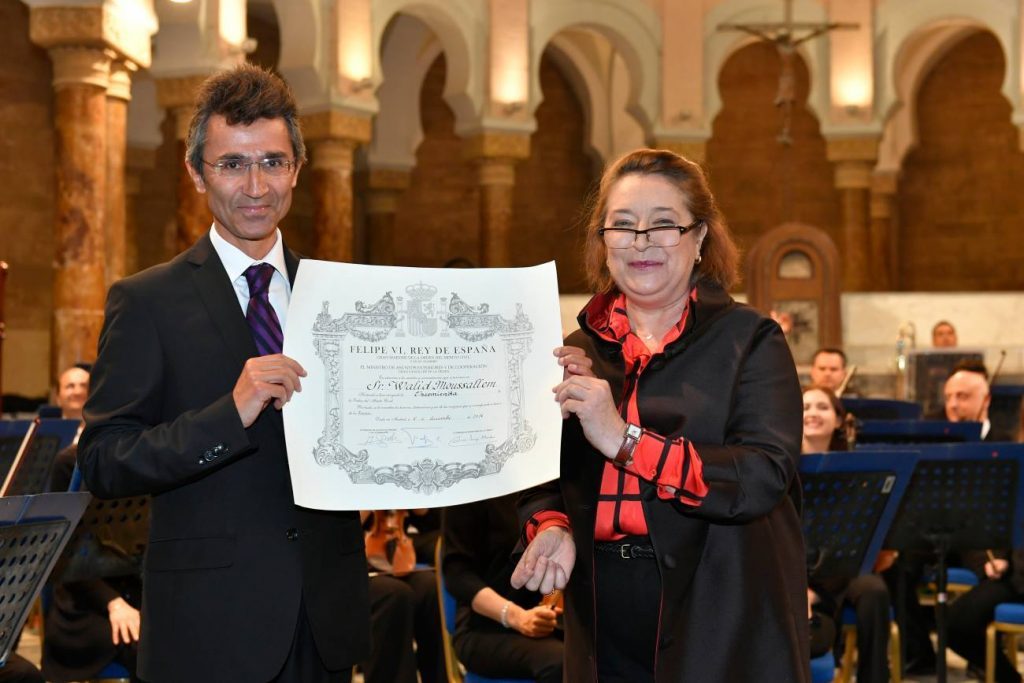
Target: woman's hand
pixel 547 562
pixel 574 361
pixel 124 621
pixel 533 623
pixel 591 400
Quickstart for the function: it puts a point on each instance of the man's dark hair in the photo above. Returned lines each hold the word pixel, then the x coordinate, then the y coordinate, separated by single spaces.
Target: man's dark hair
pixel 829 349
pixel 970 365
pixel 242 95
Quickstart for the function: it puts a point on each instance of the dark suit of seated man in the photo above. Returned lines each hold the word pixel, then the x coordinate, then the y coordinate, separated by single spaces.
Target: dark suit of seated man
pixel 240 584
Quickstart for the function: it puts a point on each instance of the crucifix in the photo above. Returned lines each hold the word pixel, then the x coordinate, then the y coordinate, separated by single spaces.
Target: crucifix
pixel 786 37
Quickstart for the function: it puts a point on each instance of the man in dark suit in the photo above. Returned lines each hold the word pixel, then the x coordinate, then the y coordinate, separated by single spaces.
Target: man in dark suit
pixel 239 583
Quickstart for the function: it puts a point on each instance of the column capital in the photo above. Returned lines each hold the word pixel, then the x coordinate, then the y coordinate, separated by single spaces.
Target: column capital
pixel 124 30
pixel 884 182
pixel 120 84
pixel 694 150
pixel 178 91
pixel 333 153
pixel 497 145
pixel 859 148
pixel 80 65
pixel 336 124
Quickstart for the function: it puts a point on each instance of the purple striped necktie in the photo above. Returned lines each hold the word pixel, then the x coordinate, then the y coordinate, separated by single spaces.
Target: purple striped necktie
pixel 266 328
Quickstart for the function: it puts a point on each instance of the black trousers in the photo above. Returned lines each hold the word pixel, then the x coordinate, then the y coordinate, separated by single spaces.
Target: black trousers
pixel 969 616
pixel 628 605
pixel 869 597
pixel 509 654
pixel 402 610
pixel 304 664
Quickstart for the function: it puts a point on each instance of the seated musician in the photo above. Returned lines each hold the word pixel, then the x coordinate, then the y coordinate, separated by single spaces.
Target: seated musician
pixel 403 611
pixel 868 594
pixel 500 632
pixel 88 624
pixel 1001 580
pixel 829 370
pixel 967 398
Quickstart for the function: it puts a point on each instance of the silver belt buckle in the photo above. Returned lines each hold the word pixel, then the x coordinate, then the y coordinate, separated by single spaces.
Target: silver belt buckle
pixel 624 551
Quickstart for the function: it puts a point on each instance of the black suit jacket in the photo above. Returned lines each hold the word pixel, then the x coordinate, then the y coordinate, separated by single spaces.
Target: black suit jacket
pixel 230 556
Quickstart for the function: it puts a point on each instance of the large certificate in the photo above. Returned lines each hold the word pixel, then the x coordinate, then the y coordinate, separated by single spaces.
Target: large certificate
pixel 425 387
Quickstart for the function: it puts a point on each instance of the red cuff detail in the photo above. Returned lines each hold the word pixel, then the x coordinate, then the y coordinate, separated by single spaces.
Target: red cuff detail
pixel 542 520
pixel 681 457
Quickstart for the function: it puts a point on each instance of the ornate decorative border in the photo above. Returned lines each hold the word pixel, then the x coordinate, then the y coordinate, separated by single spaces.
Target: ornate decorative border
pixel 375 322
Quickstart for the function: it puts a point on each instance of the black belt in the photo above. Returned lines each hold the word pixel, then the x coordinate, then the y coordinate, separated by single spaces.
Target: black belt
pixel 627 551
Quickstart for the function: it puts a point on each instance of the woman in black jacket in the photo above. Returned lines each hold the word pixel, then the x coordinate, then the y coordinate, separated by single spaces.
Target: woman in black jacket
pixel 678 491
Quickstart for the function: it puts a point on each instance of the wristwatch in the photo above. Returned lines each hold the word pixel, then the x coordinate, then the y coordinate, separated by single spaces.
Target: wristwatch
pixel 624 458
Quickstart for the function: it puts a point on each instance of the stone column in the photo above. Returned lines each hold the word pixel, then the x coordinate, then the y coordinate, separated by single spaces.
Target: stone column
pixel 80 79
pixel 333 137
pixel 138 162
pixel 194 219
pixel 384 188
pixel 884 235
pixel 118 96
pixel 495 155
pixel 854 158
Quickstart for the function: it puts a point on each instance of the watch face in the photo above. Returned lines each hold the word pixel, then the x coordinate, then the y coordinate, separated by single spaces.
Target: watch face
pixel 633 431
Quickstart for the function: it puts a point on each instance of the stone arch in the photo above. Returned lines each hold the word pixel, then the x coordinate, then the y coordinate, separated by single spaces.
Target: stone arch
pixel 919 35
pixel 632 28
pixel 720 45
pixel 304 60
pixel 397 128
pixel 590 89
pixel 456 24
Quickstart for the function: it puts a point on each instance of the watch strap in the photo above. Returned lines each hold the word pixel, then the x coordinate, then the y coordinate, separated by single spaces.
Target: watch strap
pixel 630 438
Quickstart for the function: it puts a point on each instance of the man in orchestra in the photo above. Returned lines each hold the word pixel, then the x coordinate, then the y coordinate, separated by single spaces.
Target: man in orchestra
pixel 944 335
pixel 240 584
pixel 968 397
pixel 828 368
pixel 72 390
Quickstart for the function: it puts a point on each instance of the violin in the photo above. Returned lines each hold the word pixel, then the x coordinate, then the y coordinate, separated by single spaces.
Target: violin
pixel 388 548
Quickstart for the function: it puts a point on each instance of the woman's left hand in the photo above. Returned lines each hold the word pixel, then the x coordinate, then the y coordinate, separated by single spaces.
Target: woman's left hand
pixel 574 361
pixel 591 401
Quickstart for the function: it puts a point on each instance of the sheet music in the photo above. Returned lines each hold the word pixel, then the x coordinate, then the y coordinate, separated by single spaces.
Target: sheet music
pixel 426 387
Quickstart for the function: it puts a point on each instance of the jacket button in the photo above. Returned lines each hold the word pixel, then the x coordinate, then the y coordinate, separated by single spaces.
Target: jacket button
pixel 220 449
pixel 292 534
pixel 209 456
pixel 670 561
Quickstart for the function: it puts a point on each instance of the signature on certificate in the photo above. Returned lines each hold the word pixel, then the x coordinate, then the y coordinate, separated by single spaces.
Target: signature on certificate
pixel 421 438
pixel 381 438
pixel 470 438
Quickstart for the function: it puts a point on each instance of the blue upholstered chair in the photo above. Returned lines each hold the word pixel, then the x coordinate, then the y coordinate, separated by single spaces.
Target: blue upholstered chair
pixel 456 672
pixel 112 673
pixel 823 668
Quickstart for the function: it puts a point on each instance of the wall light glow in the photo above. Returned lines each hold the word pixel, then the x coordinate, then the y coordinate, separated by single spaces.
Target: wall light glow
pixel 355 56
pixel 853 91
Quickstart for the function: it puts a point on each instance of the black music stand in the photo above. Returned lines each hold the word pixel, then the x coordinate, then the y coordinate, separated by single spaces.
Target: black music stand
pixel 881 409
pixel 850 500
pixel 961 497
pixel 915 432
pixel 33 530
pixel 110 541
pixel 29 473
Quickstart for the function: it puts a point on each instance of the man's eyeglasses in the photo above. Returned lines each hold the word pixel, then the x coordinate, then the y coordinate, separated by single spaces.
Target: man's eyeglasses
pixel 660 236
pixel 237 168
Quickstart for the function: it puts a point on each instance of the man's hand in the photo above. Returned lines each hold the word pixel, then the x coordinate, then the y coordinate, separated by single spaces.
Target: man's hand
pixel 265 379
pixel 547 562
pixel 124 621
pixel 533 623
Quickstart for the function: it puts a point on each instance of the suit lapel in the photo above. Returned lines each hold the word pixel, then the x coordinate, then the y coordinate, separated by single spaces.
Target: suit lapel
pixel 218 295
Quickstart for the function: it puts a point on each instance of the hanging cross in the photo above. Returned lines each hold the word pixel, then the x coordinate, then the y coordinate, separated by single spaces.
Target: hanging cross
pixel 785 36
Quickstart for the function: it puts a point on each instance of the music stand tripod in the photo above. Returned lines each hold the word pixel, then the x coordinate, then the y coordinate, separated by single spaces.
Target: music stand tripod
pixel 961 497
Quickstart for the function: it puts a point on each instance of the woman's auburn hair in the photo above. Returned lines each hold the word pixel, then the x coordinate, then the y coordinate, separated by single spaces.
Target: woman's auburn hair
pixel 719 256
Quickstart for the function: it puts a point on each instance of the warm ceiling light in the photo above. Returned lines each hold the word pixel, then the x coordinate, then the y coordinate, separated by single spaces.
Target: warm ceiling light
pixel 181 2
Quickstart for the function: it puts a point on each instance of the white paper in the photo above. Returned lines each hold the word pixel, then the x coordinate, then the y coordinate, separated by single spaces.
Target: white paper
pixel 427 387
